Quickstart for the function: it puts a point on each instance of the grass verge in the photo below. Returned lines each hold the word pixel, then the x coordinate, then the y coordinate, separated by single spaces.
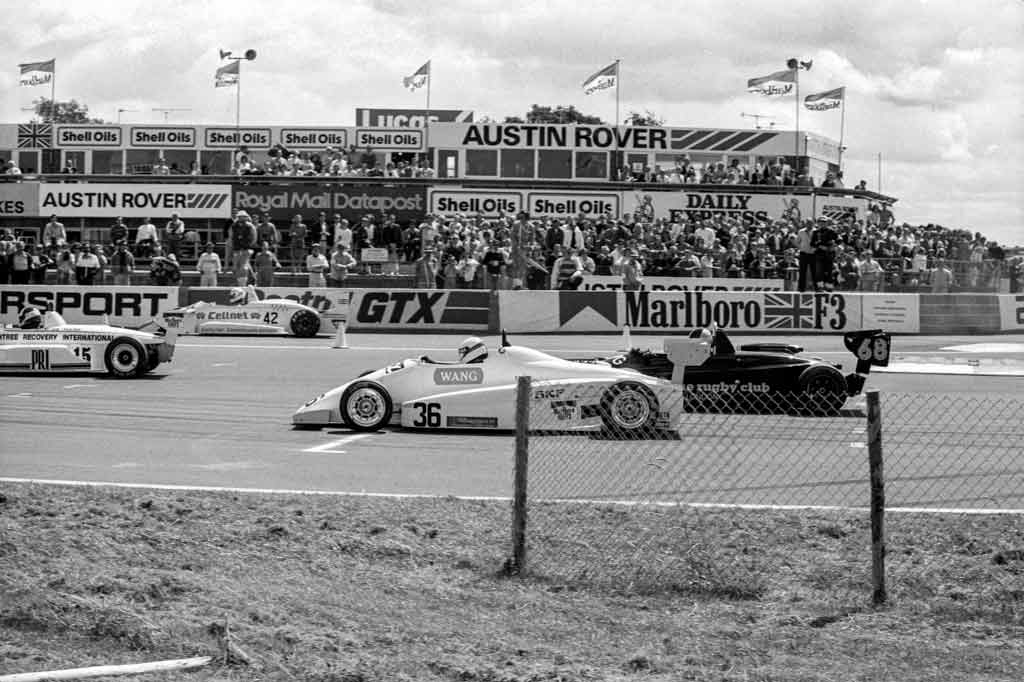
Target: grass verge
pixel 343 589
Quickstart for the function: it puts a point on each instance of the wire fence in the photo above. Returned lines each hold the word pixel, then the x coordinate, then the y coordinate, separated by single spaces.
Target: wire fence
pixel 611 499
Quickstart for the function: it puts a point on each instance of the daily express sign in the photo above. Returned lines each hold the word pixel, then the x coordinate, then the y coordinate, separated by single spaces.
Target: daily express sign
pixel 135 201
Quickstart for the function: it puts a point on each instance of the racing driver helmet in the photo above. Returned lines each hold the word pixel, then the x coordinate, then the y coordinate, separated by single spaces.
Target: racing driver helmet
pixel 30 318
pixel 472 350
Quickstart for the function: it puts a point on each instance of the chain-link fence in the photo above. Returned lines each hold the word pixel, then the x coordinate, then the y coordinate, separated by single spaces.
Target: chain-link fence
pixel 644 487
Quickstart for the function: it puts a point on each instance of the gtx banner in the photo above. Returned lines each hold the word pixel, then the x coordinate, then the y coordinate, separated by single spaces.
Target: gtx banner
pixel 332 304
pixel 680 311
pixel 419 310
pixel 1011 312
pixel 614 283
pixel 352 202
pixel 19 199
pixel 134 201
pixel 123 306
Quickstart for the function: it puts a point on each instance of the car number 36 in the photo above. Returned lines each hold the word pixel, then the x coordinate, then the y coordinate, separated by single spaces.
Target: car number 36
pixel 428 415
pixel 876 349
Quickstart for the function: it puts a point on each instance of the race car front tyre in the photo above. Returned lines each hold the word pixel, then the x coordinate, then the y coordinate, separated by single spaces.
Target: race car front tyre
pixel 125 358
pixel 305 323
pixel 629 409
pixel 365 406
pixel 822 392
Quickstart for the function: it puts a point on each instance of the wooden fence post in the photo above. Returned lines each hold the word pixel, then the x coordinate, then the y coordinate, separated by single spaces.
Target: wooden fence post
pixel 878 595
pixel 518 563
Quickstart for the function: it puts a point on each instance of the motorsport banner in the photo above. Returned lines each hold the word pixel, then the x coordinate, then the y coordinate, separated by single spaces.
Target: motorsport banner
pixel 1011 312
pixel 420 309
pixel 95 200
pixel 614 283
pixel 539 204
pixel 681 311
pixel 891 312
pixel 331 303
pixel 124 306
pixel 19 199
pixel 352 202
pixel 691 205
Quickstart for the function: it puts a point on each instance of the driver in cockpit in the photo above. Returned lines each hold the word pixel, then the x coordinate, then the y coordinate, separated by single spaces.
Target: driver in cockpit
pixel 30 318
pixel 472 350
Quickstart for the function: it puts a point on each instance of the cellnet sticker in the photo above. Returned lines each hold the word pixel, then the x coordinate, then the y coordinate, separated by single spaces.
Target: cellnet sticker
pixel 457 377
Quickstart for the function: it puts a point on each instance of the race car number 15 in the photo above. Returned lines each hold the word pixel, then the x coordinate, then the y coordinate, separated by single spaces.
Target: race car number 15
pixel 428 415
pixel 876 349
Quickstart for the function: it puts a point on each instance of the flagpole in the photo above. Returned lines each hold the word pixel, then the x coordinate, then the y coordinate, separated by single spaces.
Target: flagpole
pixel 426 122
pixel 53 93
pixel 238 106
pixel 618 80
pixel 842 128
pixel 796 137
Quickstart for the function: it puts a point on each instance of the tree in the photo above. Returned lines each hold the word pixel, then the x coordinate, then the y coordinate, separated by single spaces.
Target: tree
pixel 67 112
pixel 647 119
pixel 559 114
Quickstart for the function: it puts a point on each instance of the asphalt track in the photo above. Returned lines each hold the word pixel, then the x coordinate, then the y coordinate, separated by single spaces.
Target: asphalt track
pixel 219 416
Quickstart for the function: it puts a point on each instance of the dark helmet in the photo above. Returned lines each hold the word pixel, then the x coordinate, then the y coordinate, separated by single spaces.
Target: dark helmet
pixel 30 318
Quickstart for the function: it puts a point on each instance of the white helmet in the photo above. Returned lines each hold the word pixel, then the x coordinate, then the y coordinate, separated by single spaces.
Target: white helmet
pixel 472 350
pixel 237 296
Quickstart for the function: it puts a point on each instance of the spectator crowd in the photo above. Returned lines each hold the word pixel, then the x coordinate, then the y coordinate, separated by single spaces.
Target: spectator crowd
pixel 461 251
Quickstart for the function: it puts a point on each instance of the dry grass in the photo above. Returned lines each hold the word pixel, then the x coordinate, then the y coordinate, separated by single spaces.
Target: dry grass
pixel 348 589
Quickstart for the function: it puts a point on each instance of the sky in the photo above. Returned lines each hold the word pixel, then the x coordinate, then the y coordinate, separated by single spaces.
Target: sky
pixel 934 87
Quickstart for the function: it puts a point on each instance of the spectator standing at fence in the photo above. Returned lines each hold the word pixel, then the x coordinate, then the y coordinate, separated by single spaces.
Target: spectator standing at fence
pixel 87 267
pixel 466 268
pixel 297 233
pixel 341 262
pixel 322 231
pixel 266 264
pixel 317 267
pixel 805 254
pixel 54 233
pixel 848 277
pixel 101 256
pixel 342 232
pixel 870 272
pixel 632 272
pixel 209 266
pixel 118 232
pixel 243 241
pixel 425 270
pixel 174 232
pixel 39 263
pixel 122 264
pixel 66 266
pixel 941 277
pixel 20 264
pixel 267 232
pixel 146 238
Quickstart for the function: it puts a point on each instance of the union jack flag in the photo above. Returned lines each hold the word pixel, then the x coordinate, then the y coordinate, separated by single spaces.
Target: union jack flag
pixel 789 311
pixel 35 135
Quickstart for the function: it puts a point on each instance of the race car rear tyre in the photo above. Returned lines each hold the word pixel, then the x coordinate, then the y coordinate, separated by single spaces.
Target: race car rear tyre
pixel 305 323
pixel 822 392
pixel 629 409
pixel 152 359
pixel 365 406
pixel 125 358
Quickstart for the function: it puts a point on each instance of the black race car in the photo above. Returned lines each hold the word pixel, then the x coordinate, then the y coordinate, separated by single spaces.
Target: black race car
pixel 759 377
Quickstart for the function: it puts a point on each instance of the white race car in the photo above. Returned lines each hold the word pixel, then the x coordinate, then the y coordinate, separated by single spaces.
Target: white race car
pixel 245 314
pixel 479 393
pixel 54 346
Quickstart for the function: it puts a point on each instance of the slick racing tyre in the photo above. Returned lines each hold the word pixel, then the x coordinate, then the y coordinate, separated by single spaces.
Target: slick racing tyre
pixel 822 392
pixel 305 323
pixel 365 406
pixel 125 358
pixel 152 359
pixel 629 410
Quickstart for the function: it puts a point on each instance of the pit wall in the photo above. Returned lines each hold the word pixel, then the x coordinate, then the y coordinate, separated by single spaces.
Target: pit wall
pixel 596 311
